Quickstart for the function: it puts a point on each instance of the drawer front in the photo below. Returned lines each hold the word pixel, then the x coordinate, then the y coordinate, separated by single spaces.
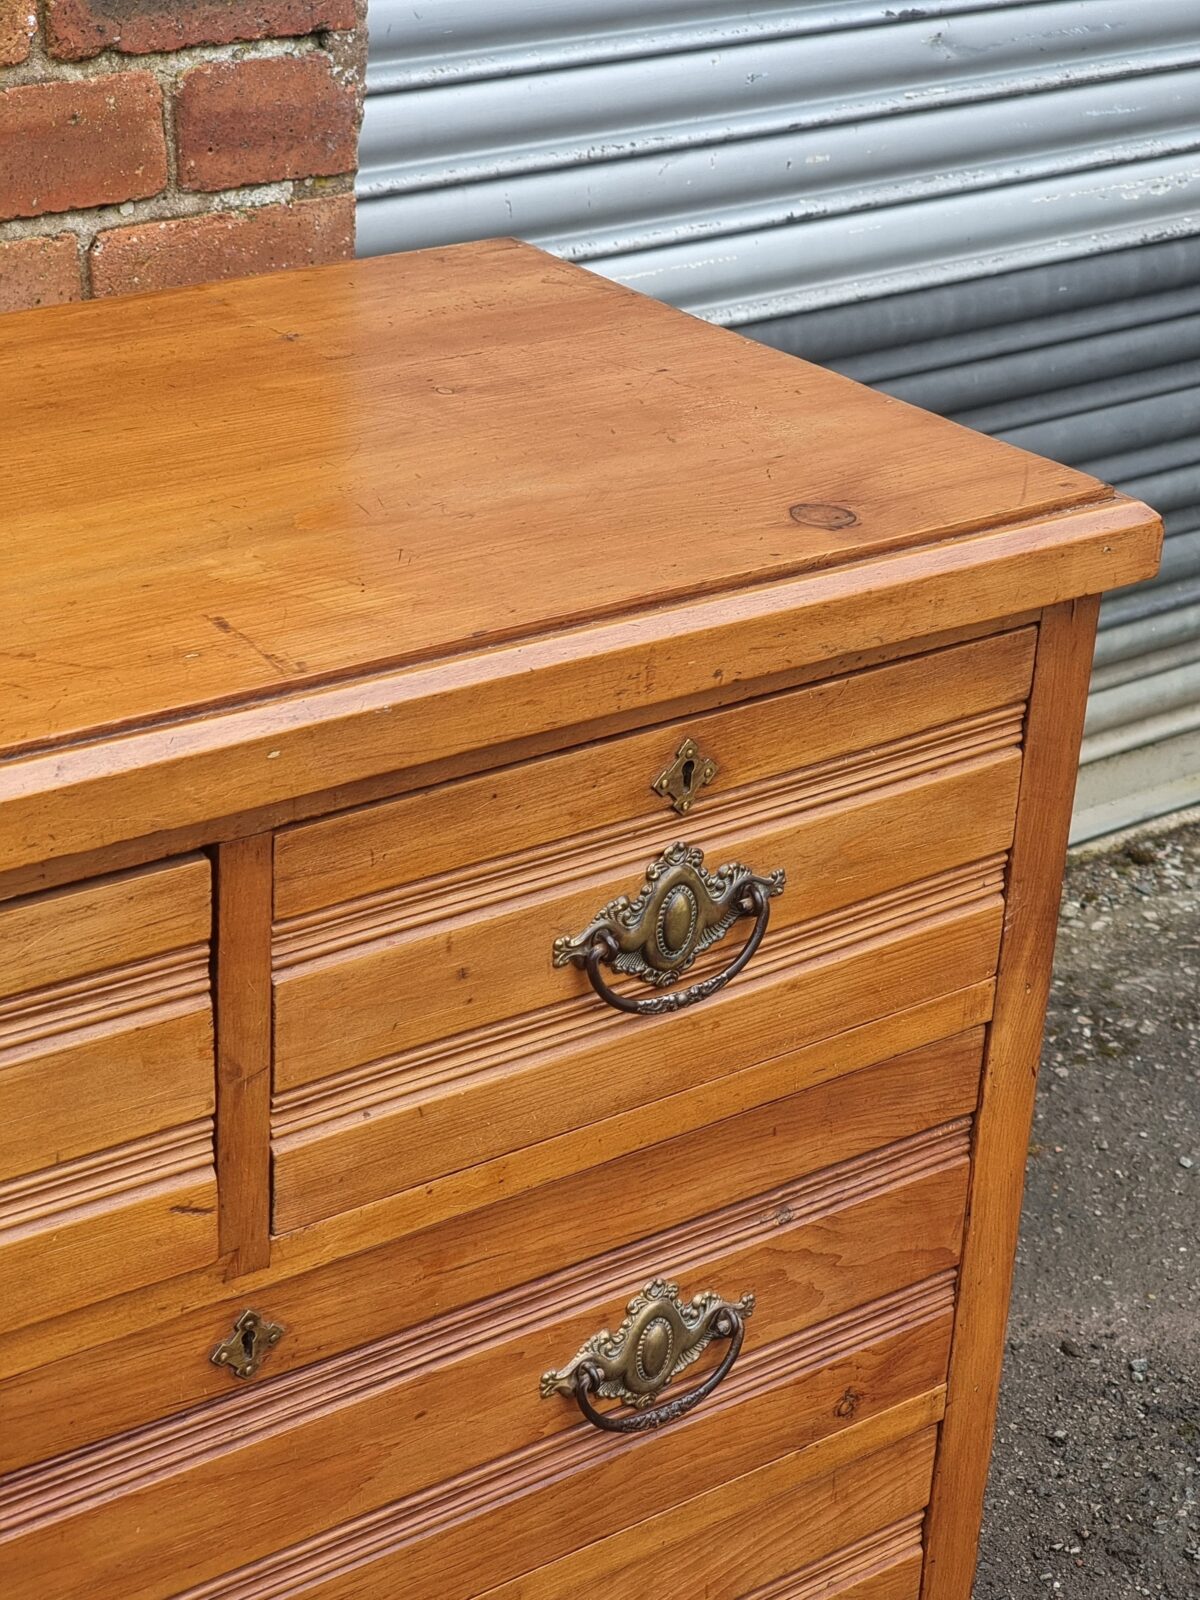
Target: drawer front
pixel 106 1089
pixel 420 1023
pixel 532 1214
pixel 792 1530
pixel 425 1463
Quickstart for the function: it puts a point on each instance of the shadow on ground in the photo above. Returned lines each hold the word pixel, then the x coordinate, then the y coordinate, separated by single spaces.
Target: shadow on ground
pixel 1096 1473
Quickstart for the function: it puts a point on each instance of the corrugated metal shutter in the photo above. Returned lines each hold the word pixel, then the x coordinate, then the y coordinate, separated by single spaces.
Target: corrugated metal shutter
pixel 991 208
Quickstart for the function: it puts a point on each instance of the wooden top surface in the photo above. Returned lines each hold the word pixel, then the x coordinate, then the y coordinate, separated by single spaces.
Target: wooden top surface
pixel 221 494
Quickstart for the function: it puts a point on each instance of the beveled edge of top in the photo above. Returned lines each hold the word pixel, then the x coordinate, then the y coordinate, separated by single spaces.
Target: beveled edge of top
pixel 189 771
pixel 291 546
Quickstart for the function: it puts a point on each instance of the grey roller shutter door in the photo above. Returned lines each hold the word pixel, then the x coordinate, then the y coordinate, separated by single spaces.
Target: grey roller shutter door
pixel 992 209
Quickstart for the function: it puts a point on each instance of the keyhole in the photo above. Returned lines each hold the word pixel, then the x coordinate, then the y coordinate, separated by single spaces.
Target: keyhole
pixel 249 1342
pixel 688 772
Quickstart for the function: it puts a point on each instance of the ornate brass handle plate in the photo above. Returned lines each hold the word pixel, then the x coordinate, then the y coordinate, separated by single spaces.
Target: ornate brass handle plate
pixel 680 911
pixel 660 1337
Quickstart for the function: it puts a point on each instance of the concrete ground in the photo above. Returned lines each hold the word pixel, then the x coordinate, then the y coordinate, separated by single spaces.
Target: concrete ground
pixel 1096 1475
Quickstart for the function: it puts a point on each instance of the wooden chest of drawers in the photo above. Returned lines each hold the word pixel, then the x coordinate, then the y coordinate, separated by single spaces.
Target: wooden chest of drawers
pixel 405 1190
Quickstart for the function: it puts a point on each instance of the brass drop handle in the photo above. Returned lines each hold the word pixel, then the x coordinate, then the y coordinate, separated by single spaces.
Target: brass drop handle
pixel 589 1380
pixel 680 911
pixel 659 1338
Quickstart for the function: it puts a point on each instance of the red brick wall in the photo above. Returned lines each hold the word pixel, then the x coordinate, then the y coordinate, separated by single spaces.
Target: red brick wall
pixel 146 143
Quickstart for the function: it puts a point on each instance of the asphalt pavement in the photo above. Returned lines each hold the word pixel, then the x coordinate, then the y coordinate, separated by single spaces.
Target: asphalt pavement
pixel 1096 1473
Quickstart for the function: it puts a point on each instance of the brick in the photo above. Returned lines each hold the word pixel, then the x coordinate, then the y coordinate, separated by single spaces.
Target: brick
pixel 84 143
pixel 255 121
pixel 164 255
pixel 39 272
pixel 18 19
pixel 76 29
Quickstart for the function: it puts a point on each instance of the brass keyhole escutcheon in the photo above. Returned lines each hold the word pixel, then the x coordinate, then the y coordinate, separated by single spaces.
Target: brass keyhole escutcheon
pixel 247 1347
pixel 685 777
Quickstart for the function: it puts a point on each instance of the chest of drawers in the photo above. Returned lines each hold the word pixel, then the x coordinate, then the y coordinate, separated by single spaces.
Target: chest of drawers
pixel 530 831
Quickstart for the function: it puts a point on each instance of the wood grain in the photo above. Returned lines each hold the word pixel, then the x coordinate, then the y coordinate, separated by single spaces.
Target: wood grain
pixel 371 1135
pixel 436 426
pixel 899 1435
pixel 192 1309
pixel 506 1537
pixel 309 1482
pixel 888 1568
pixel 89 1067
pixel 481 541
pixel 608 781
pixel 1053 732
pixel 243 1004
pixel 336 796
pixel 172 776
pixel 745 1541
pixel 106 1089
pixel 109 922
pixel 593 1207
pixel 103 1224
pixel 446 956
pixel 359 1418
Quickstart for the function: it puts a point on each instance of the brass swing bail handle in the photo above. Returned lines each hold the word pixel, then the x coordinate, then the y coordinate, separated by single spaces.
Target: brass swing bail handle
pixel 680 910
pixel 660 1337
pixel 589 1378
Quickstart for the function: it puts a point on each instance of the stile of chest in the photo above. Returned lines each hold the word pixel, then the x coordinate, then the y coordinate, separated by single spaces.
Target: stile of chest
pixel 530 834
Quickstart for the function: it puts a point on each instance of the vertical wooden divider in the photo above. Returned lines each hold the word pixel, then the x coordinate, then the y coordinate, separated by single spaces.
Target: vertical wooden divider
pixel 1053 728
pixel 243 1029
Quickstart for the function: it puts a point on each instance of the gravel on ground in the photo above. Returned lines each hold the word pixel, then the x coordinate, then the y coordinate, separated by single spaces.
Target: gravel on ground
pixel 1096 1473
